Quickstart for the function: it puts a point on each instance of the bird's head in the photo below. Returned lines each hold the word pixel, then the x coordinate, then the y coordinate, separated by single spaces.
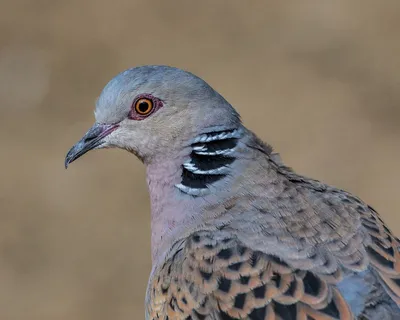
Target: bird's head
pixel 153 111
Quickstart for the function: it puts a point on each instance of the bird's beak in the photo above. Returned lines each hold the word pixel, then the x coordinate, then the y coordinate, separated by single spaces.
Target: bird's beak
pixel 91 140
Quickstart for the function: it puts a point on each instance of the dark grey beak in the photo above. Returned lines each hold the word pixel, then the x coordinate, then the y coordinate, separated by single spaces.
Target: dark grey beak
pixel 91 140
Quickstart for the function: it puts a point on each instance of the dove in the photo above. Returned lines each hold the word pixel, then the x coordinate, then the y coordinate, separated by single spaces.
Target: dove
pixel 235 233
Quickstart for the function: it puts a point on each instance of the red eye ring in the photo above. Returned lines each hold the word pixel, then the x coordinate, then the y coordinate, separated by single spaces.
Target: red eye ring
pixel 144 106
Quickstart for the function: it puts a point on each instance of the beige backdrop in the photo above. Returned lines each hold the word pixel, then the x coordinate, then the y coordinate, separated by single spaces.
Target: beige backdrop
pixel 319 80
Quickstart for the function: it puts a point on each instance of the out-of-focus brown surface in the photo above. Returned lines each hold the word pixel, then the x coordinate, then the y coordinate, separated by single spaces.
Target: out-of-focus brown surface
pixel 319 80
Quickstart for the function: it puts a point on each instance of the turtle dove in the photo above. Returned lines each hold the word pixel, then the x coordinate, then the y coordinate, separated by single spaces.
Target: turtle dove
pixel 236 234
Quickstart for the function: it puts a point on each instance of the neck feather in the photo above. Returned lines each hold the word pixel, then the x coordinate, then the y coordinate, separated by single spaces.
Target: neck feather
pixel 182 185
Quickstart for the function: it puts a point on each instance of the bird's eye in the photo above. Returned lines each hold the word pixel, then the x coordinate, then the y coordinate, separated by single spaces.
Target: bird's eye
pixel 144 106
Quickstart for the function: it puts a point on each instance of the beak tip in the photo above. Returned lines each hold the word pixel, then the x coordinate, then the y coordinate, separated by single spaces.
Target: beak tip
pixel 66 163
pixel 68 159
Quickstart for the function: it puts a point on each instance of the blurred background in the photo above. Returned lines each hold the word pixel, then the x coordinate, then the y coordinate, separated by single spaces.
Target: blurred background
pixel 319 80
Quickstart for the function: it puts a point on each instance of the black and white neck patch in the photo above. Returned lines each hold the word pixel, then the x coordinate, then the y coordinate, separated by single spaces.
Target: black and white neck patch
pixel 210 160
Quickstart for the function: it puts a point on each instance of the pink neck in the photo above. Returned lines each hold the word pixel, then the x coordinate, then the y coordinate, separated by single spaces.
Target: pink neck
pixel 168 207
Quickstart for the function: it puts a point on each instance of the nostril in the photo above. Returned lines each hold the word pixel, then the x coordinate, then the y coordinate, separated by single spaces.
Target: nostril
pixel 90 138
pixel 93 134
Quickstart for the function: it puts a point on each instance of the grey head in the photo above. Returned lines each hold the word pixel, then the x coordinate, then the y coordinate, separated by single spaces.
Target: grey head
pixel 154 111
pixel 189 137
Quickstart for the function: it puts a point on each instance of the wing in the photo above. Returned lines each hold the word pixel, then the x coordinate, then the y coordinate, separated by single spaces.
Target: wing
pixel 215 277
pixel 379 247
pixel 383 250
pixel 230 274
pixel 357 235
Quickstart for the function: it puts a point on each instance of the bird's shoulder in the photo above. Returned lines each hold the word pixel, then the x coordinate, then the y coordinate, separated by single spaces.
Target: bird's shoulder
pixel 305 212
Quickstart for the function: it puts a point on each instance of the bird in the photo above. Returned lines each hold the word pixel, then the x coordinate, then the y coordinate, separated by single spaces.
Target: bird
pixel 235 233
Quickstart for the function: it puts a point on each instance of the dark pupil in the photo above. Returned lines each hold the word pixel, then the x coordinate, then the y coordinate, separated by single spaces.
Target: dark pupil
pixel 143 106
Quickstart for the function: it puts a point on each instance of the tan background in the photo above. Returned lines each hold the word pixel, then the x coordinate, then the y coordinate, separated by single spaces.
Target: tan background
pixel 319 80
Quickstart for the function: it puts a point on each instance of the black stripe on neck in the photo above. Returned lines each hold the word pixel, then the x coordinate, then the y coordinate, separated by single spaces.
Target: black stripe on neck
pixel 198 181
pixel 206 160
